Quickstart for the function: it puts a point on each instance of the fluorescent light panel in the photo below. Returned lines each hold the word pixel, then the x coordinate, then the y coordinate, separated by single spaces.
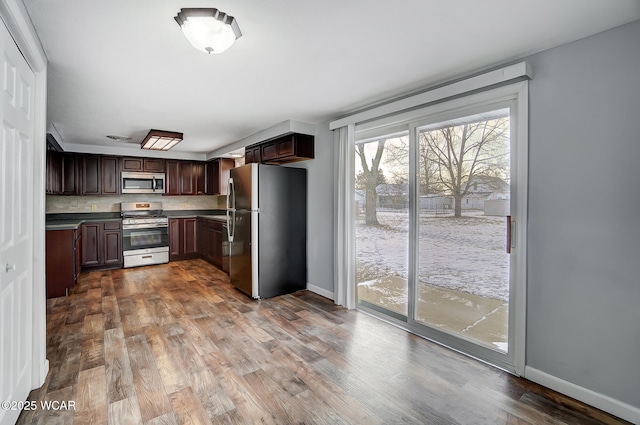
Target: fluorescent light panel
pixel 159 140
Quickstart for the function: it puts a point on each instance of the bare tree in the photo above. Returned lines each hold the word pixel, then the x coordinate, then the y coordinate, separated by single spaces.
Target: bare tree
pixel 398 159
pixel 370 176
pixel 462 152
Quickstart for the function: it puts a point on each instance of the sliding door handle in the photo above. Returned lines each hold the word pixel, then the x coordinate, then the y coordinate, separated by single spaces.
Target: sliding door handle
pixel 511 234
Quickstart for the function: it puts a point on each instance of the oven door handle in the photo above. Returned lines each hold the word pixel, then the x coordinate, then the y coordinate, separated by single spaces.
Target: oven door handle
pixel 144 226
pixel 153 184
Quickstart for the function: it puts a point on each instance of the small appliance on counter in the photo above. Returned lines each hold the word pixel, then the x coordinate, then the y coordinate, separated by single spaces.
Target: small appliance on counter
pixel 267 231
pixel 145 234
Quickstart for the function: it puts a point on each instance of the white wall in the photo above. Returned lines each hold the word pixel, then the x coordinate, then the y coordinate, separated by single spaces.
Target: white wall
pixel 583 307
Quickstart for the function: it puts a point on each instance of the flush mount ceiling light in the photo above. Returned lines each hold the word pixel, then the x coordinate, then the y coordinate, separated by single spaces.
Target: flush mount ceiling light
pixel 159 140
pixel 208 30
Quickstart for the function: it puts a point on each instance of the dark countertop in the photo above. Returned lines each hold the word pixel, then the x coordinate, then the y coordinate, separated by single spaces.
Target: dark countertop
pixel 193 213
pixel 84 216
pixel 222 218
pixel 72 221
pixel 72 224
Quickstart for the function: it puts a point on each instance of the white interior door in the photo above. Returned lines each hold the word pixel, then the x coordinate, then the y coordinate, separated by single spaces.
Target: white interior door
pixel 16 227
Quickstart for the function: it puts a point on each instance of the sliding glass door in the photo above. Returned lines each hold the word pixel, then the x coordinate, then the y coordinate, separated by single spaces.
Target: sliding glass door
pixel 462 282
pixel 436 197
pixel 382 223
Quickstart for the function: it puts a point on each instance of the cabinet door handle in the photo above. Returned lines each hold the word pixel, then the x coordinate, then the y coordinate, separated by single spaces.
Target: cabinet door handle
pixel 10 268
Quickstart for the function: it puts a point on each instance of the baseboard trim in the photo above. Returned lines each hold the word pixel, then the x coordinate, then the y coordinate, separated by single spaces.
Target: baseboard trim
pixel 321 291
pixel 44 372
pixel 600 401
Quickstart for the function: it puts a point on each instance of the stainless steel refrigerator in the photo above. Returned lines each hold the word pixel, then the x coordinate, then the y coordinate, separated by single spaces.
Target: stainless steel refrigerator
pixel 267 208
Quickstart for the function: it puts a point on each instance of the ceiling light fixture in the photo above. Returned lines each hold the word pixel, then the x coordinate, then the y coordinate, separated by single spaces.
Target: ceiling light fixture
pixel 208 30
pixel 159 140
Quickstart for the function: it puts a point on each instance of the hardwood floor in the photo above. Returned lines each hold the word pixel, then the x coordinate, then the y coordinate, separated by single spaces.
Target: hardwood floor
pixel 177 344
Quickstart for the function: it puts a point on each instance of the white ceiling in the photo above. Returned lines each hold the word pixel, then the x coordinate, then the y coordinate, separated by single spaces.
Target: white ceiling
pixel 123 67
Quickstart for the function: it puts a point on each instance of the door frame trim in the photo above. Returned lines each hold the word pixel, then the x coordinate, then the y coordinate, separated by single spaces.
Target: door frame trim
pixel 16 18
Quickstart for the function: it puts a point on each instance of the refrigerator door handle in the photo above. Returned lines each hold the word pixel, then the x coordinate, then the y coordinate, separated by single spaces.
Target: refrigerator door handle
pixel 228 193
pixel 228 230
pixel 231 210
pixel 231 197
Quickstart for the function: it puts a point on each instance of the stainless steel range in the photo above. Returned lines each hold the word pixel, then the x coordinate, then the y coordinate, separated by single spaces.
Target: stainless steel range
pixel 145 234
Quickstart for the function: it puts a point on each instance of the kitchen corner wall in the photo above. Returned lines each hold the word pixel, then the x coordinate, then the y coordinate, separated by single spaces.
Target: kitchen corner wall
pixel 88 204
pixel 320 212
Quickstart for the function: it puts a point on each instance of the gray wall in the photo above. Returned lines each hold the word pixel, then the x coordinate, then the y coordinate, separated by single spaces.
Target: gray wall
pixel 583 306
pixel 320 205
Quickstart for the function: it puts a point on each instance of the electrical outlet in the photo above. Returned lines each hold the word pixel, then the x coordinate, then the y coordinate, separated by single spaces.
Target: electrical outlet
pixel 94 207
pixel 184 205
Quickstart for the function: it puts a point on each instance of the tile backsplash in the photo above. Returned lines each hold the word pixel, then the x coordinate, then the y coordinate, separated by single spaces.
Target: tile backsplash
pixel 82 204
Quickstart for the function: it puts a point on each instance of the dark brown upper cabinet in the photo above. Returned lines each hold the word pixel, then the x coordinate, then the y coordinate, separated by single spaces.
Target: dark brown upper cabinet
pixel 185 177
pixel 91 175
pixel 172 178
pixel 252 154
pixel 53 172
pixel 199 176
pixel 100 175
pixel 70 184
pixel 147 165
pixel 110 175
pixel 87 174
pixel 290 148
pixel 217 175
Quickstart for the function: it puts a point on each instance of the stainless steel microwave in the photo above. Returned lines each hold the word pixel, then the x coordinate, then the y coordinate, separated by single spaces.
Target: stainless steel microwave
pixel 133 182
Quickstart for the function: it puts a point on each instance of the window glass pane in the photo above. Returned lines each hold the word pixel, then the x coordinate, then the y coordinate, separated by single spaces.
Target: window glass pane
pixel 464 200
pixel 382 223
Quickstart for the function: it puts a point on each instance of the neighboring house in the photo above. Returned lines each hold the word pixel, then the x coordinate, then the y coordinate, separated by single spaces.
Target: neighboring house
pixel 483 190
pixel 487 193
pixel 436 202
pixel 393 195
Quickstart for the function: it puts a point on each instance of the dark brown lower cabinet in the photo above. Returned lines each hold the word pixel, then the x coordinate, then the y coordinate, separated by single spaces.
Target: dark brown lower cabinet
pixel 210 240
pixel 189 241
pixel 91 247
pixel 112 248
pixel 62 261
pixel 183 238
pixel 102 244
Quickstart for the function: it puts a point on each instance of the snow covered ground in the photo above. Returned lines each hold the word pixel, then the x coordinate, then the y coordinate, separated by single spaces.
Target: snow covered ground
pixel 465 254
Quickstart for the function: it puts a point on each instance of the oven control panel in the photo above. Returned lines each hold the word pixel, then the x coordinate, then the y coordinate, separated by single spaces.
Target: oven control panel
pixel 132 222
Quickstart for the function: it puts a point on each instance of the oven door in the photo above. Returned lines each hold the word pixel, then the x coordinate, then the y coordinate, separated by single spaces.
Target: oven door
pixel 137 237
